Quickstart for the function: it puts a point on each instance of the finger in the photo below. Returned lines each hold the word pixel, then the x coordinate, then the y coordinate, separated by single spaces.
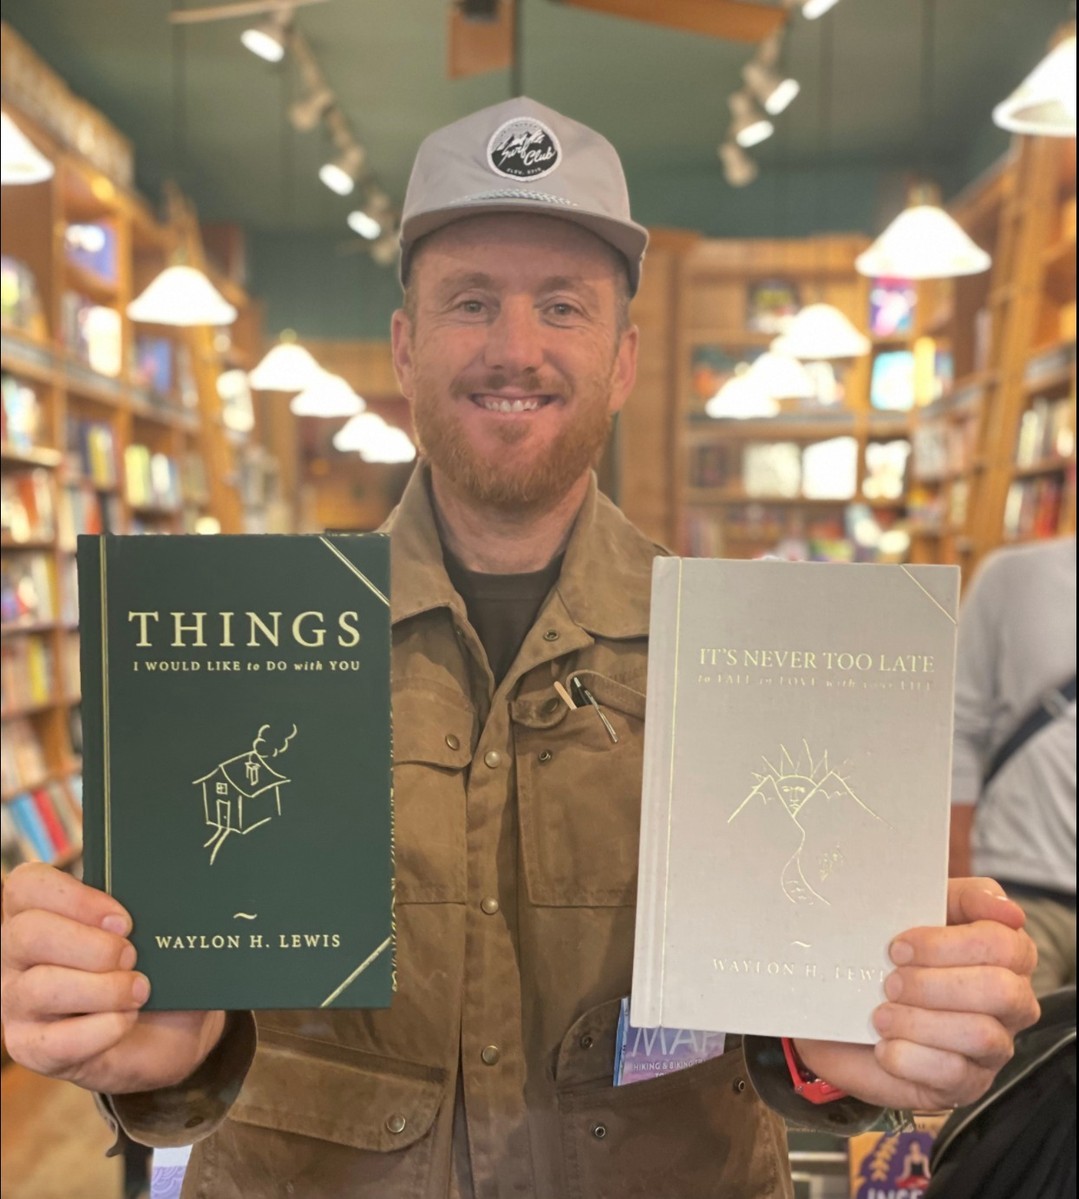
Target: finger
pixel 34 885
pixel 943 1079
pixel 983 943
pixel 985 990
pixel 981 1039
pixel 971 899
pixel 34 938
pixel 61 1048
pixel 47 992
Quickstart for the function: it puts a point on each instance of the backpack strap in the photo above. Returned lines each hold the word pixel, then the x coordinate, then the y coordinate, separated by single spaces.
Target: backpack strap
pixel 1052 705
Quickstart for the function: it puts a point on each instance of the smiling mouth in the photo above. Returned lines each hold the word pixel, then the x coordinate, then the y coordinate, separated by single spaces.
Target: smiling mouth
pixel 510 405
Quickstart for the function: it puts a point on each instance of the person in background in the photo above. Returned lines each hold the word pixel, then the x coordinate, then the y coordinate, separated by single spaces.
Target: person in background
pixel 1013 777
pixel 517 818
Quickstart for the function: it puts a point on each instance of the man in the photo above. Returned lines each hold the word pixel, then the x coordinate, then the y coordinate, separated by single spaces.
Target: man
pixel 1013 788
pixel 517 817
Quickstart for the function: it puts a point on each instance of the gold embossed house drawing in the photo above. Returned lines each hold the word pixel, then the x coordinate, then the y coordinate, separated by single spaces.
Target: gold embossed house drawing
pixel 241 793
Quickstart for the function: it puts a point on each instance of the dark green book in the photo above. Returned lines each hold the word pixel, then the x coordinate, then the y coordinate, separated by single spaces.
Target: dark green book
pixel 237 768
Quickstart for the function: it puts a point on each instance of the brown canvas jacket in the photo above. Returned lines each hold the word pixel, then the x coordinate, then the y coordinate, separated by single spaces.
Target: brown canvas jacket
pixel 516 846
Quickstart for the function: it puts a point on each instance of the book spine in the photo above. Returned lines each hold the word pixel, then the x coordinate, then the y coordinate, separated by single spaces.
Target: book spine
pixel 91 552
pixel 28 819
pixel 646 1004
pixel 51 821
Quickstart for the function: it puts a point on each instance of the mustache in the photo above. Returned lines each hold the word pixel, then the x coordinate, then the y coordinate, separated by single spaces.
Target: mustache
pixel 528 381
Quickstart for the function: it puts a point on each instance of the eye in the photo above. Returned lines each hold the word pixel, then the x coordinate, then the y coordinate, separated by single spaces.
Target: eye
pixel 562 308
pixel 471 307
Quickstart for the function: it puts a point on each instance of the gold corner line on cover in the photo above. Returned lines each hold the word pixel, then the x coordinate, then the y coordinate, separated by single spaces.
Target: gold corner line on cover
pixel 931 598
pixel 106 762
pixel 355 570
pixel 356 973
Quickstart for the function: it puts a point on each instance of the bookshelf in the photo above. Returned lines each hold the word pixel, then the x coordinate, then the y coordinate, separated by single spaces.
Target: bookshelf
pixel 108 426
pixel 824 477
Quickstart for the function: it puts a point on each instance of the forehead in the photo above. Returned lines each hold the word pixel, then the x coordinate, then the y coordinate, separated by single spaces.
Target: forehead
pixel 514 247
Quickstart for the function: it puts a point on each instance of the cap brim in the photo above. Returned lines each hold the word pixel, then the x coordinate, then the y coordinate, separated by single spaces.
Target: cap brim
pixel 628 238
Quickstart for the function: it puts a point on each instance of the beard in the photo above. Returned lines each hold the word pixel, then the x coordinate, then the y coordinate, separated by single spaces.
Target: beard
pixel 503 480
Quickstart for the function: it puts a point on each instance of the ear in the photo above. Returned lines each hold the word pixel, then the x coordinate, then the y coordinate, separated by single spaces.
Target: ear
pixel 624 373
pixel 401 345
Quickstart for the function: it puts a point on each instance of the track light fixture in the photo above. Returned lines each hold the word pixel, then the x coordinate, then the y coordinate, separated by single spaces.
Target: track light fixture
pixel 305 114
pixel 269 38
pixel 749 126
pixel 766 82
pixel 340 174
pixel 738 168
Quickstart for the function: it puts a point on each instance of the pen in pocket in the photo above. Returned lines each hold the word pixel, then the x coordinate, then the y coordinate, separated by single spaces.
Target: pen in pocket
pixel 584 696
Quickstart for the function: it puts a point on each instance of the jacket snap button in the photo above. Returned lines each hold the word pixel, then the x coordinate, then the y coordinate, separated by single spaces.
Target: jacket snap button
pixel 490 1055
pixel 492 758
pixel 396 1124
pixel 738 1086
pixel 489 905
pixel 586 1042
pixel 452 741
pixel 599 1131
pixel 546 755
pixel 551 635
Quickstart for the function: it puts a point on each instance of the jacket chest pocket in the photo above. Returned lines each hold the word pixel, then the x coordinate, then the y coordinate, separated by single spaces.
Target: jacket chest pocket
pixel 579 796
pixel 432 747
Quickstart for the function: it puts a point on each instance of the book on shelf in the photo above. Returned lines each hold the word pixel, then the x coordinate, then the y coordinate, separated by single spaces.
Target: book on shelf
pixel 13 848
pixel 91 449
pixel 772 469
pixel 84 510
pixel 69 664
pixel 153 368
pixel 92 333
pixel 958 503
pixel 26 507
pixel 1032 508
pixel 892 303
pixel 771 304
pixel 1049 364
pixel 795 799
pixel 236 734
pixel 26 670
pixel 1046 432
pixel 69 590
pixel 27 587
pixel 22 413
pixel 91 246
pixel 886 469
pixel 20 299
pixel 39 825
pixel 715 466
pixel 22 758
pixel 891 384
pixel 150 479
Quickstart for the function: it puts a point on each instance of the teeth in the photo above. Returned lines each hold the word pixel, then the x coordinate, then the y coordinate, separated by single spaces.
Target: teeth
pixel 494 404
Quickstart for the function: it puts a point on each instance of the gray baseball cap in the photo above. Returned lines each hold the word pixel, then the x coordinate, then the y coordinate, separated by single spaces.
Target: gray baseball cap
pixel 519 156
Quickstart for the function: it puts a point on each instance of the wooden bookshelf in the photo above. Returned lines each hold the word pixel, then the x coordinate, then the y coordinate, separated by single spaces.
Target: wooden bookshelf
pixel 108 426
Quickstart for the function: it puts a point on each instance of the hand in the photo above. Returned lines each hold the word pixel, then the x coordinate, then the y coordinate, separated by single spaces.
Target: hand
pixel 71 997
pixel 955 1002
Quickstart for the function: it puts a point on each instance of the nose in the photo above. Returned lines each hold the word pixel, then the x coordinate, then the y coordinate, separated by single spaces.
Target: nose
pixel 514 343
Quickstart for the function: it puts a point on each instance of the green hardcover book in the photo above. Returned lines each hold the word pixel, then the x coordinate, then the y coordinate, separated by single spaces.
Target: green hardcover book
pixel 237 770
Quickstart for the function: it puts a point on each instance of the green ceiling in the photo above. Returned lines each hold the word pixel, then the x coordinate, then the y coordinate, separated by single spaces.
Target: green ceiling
pixel 659 95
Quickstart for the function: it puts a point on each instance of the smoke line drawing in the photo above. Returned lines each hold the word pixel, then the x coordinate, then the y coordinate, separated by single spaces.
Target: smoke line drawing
pixel 243 793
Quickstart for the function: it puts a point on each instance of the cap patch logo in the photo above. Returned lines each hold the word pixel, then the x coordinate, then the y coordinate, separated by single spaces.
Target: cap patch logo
pixel 523 148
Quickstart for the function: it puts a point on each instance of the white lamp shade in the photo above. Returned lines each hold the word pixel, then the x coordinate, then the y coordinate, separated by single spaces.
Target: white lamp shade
pixel 328 396
pixel 821 331
pixel 1044 103
pixel 359 432
pixel 389 445
pixel 20 160
pixel 183 296
pixel 287 367
pixel 923 242
pixel 741 398
pixel 782 377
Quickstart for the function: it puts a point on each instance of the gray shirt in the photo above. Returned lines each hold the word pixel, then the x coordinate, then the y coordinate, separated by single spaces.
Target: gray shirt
pixel 1017 641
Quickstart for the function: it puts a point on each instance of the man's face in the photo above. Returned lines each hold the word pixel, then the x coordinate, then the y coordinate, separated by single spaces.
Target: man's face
pixel 514 356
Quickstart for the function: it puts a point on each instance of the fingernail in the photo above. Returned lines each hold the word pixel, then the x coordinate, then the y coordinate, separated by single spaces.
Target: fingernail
pixel 883 1020
pixel 116 924
pixel 127 956
pixel 902 952
pixel 893 986
pixel 140 989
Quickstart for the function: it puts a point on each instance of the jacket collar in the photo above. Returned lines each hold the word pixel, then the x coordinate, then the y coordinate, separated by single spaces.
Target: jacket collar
pixel 605 579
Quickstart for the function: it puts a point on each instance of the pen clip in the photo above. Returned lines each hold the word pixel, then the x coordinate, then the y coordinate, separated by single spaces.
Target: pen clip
pixel 586 696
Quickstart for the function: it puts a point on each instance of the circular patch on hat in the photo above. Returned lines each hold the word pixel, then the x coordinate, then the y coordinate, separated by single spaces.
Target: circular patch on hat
pixel 523 148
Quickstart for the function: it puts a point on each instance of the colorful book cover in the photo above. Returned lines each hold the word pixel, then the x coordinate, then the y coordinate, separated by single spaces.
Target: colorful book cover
pixel 890 1166
pixel 771 304
pixel 891 307
pixel 795 805
pixel 236 715
pixel 891 387
pixel 643 1053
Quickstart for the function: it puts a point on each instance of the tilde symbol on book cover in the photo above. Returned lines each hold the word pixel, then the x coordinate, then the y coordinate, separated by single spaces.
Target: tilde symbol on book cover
pixel 821 806
pixel 244 792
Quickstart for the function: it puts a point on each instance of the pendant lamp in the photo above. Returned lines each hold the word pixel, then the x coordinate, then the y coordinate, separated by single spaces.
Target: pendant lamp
pixel 20 160
pixel 359 432
pixel 328 396
pixel 181 296
pixel 821 332
pixel 741 398
pixel 391 445
pixel 924 242
pixel 286 367
pixel 782 377
pixel 1044 103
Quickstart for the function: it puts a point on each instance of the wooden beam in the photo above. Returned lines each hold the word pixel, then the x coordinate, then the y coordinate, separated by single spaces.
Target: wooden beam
pixel 734 20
